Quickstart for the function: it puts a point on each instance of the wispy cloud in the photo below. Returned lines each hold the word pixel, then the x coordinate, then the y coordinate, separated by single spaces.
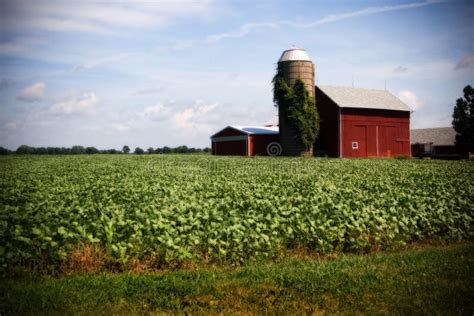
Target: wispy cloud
pixel 410 99
pixel 246 28
pixel 149 91
pixel 400 70
pixel 84 103
pixel 466 62
pixel 102 61
pixel 102 17
pixel 33 93
pixel 241 32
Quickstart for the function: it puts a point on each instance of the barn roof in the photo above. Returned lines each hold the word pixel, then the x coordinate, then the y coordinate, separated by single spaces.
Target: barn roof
pixel 346 97
pixel 252 130
pixel 259 130
pixel 441 136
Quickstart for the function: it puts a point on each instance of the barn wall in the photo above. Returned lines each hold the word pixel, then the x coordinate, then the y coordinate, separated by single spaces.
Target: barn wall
pixel 232 148
pixel 258 144
pixel 381 133
pixel 328 138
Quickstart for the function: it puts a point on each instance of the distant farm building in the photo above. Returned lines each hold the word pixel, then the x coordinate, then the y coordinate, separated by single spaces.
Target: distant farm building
pixel 433 141
pixel 354 122
pixel 245 140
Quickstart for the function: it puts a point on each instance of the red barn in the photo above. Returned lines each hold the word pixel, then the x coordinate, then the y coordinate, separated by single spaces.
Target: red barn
pixel 244 140
pixel 361 123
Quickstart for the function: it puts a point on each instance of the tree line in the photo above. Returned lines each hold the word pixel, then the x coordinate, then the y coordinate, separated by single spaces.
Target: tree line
pixel 80 150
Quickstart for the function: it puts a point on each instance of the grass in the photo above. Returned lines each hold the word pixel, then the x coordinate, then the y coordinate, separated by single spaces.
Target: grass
pixel 421 280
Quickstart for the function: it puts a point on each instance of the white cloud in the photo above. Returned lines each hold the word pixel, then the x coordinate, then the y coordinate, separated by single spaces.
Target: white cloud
pixel 197 116
pixel 466 62
pixel 84 103
pixel 101 17
pixel 121 127
pixel 148 91
pixel 158 112
pixel 102 61
pixel 246 28
pixel 33 93
pixel 364 12
pixel 193 116
pixel 410 99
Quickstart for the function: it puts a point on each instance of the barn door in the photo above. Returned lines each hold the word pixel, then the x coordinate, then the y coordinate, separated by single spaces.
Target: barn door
pixel 371 141
pixel 359 142
pixel 387 141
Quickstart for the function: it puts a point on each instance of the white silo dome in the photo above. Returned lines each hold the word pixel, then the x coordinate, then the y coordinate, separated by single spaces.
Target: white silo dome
pixel 294 53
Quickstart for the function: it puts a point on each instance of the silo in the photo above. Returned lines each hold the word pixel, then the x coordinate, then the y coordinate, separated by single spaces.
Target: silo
pixel 294 63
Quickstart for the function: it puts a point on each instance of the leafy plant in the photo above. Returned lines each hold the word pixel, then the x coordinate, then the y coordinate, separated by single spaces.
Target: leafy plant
pixel 298 108
pixel 172 209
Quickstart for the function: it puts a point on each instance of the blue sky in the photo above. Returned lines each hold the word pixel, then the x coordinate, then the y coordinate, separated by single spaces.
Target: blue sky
pixel 169 73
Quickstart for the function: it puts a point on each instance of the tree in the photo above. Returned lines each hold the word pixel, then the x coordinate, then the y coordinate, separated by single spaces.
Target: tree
pixel 91 150
pixel 4 151
pixel 151 150
pixel 463 120
pixel 298 108
pixel 75 150
pixel 139 151
pixel 24 149
pixel 126 149
pixel 181 149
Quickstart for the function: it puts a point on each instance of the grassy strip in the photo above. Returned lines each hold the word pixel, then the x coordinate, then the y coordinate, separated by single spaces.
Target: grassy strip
pixel 430 280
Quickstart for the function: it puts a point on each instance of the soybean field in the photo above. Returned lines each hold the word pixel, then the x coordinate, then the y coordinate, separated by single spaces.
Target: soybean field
pixel 176 209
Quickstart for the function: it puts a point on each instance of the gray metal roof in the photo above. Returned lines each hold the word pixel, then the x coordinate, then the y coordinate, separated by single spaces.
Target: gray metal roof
pixel 252 130
pixel 346 97
pixel 259 130
pixel 294 53
pixel 441 136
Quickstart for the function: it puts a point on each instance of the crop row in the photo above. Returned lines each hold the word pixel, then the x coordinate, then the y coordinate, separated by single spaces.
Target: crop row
pixel 201 208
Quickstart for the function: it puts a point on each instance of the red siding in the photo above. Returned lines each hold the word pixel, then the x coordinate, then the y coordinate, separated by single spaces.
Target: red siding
pixel 328 138
pixel 233 148
pixel 258 144
pixel 381 133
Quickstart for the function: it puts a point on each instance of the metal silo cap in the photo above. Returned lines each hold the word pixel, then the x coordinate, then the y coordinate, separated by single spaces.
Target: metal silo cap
pixel 294 53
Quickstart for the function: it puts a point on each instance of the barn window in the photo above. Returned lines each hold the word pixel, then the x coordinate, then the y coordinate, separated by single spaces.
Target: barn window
pixel 355 145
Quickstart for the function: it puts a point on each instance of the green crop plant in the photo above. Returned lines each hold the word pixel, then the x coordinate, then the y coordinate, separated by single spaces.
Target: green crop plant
pixel 177 209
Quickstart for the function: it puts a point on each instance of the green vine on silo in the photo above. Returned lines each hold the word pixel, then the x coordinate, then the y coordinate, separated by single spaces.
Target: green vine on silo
pixel 298 108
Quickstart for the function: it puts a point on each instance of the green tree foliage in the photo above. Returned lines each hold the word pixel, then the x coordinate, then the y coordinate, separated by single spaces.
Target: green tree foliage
pixel 76 150
pixel 126 149
pixel 298 108
pixel 4 151
pixel 463 120
pixel 139 151
pixel 24 150
pixel 91 150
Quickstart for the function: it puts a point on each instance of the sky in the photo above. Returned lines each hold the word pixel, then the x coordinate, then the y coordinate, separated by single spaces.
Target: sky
pixel 167 73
